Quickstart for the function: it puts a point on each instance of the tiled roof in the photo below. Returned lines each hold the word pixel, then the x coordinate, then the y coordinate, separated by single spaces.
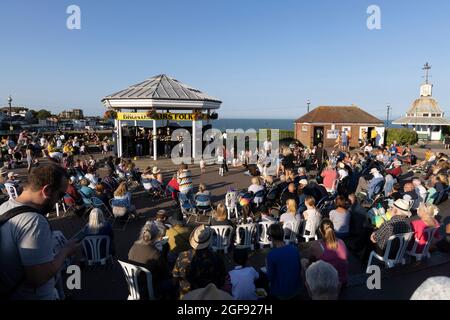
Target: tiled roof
pixel 437 121
pixel 162 87
pixel 332 114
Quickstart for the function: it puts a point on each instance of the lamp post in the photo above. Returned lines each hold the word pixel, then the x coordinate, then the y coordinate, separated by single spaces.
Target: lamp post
pixel 10 113
pixel 308 103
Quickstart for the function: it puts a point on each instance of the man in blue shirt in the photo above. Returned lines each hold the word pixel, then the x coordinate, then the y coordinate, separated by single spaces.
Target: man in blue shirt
pixel 284 266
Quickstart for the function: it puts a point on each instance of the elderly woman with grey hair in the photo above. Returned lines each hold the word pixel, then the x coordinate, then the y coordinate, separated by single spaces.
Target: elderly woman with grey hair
pixel 145 254
pixel 322 281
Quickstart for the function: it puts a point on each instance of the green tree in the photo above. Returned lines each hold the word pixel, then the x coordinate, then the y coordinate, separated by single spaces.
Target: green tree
pixel 43 114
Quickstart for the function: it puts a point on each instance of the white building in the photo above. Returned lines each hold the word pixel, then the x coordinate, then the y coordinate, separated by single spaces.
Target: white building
pixel 425 116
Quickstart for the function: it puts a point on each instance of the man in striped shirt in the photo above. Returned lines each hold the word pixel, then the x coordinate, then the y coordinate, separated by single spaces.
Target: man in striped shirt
pixel 184 177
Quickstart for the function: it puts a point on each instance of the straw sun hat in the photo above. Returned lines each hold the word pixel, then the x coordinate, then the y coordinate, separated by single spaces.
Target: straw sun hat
pixel 200 238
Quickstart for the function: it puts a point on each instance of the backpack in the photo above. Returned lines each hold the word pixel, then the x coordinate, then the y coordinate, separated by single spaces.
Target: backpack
pixel 8 215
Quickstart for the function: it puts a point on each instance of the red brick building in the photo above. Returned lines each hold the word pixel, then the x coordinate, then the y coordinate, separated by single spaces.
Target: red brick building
pixel 324 123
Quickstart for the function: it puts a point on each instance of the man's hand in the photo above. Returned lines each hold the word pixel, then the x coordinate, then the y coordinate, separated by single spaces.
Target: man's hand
pixel 372 238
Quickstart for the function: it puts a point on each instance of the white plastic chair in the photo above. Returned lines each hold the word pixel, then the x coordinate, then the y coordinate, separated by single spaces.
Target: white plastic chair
pixel 12 192
pixel 223 238
pixel 131 276
pixel 312 233
pixel 95 245
pixel 249 231
pixel 429 234
pixel 403 239
pixel 231 204
pixel 263 237
pixel 290 231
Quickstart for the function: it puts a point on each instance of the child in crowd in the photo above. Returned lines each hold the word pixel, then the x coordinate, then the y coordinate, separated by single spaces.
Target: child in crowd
pixel 202 166
pixel 243 277
pixel 311 215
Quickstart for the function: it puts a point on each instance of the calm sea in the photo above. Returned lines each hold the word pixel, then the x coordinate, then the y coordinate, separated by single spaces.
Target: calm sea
pixel 222 124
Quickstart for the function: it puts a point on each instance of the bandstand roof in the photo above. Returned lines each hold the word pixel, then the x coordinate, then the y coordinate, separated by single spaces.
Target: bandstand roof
pixel 161 92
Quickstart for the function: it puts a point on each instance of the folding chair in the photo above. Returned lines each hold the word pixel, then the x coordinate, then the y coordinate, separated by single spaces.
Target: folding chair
pixel 116 207
pixel 97 203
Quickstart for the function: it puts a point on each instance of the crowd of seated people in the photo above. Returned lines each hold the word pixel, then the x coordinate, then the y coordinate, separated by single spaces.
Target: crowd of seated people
pixel 348 205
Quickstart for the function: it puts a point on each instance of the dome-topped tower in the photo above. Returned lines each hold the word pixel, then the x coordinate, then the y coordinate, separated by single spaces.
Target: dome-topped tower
pixel 425 115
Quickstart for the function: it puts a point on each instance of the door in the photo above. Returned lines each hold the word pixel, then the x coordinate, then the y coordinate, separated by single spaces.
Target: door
pixel 318 136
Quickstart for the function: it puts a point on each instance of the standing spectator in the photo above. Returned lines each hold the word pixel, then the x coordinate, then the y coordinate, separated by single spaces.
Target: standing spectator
pixel 28 265
pixel 243 277
pixel 283 266
pixel 341 217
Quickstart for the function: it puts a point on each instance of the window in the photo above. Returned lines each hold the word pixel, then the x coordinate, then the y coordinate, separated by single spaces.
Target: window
pixel 438 115
pixel 436 128
pixel 425 115
pixel 433 114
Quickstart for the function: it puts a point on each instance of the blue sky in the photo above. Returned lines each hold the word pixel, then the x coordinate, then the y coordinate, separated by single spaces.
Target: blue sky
pixel 262 58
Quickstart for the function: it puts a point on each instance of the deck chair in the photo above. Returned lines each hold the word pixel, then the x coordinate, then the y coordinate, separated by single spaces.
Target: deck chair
pixel 120 213
pixel 403 240
pixel 132 273
pixel 428 234
pixel 186 206
pixel 99 204
pixel 96 250
pixel 222 238
pixel 245 240
pixel 263 237
pixel 203 207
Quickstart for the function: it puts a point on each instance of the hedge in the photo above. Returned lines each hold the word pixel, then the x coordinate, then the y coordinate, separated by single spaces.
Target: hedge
pixel 402 136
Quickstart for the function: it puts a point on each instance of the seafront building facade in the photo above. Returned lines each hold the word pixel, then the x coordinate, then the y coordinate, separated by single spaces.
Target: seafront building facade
pixel 324 124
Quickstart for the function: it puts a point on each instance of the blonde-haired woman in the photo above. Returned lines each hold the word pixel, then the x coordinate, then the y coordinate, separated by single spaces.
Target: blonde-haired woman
pixel 331 249
pixel 98 226
pixel 220 216
pixel 121 204
pixel 291 214
pixel 145 253
pixel 255 186
pixel 426 213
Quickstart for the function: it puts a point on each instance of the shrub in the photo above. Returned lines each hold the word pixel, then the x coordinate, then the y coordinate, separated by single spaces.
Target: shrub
pixel 402 136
